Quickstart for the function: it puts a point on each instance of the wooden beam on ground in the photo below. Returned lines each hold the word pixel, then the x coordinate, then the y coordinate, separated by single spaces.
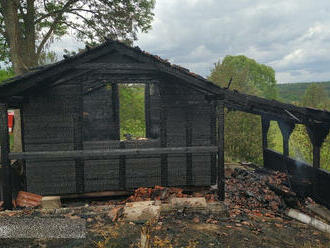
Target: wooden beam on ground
pixel 106 154
pixel 97 194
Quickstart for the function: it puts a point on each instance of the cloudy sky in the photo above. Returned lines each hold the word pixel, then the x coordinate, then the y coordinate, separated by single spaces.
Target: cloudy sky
pixel 292 36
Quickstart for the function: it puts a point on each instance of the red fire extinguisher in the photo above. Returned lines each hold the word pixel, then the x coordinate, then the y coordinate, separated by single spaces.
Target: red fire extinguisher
pixel 10 121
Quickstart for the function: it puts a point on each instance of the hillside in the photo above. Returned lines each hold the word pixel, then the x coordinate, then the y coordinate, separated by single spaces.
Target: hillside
pixel 293 92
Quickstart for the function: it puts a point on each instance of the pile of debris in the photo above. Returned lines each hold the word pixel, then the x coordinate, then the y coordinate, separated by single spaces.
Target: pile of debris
pixel 257 192
pixel 164 194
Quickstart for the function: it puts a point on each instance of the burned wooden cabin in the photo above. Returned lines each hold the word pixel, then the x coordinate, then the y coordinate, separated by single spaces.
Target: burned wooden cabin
pixel 71 125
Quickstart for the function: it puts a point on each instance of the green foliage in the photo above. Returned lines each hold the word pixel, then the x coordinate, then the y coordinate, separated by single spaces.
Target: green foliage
pixel 294 92
pixel 5 74
pixel 242 130
pixel 132 115
pixel 275 140
pixel 243 137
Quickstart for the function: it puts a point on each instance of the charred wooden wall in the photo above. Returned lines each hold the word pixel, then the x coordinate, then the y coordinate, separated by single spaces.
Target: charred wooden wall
pixel 83 113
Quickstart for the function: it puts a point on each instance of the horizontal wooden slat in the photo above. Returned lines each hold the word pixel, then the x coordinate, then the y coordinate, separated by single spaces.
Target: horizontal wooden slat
pixel 104 154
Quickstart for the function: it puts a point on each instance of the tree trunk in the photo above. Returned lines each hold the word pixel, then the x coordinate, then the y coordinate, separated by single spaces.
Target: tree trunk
pixel 20 36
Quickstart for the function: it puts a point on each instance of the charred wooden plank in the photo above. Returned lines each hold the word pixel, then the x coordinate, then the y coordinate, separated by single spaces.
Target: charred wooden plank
pixel 104 154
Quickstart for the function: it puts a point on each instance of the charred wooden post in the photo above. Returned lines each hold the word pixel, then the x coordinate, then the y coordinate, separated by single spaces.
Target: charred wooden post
pixel 221 148
pixel 163 140
pixel 5 162
pixel 147 104
pixel 115 110
pixel 213 139
pixel 286 130
pixel 265 124
pixel 317 134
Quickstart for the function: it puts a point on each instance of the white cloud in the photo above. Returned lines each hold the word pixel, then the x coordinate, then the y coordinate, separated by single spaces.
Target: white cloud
pixel 292 36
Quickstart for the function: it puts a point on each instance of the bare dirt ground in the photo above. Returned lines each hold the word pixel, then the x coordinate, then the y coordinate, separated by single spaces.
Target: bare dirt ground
pixel 186 230
pixel 256 218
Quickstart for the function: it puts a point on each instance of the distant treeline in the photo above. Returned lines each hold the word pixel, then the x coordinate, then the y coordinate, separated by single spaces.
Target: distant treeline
pixel 293 92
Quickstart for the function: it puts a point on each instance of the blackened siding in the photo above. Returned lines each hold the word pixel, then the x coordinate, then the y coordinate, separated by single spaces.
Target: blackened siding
pixel 48 126
pixel 187 109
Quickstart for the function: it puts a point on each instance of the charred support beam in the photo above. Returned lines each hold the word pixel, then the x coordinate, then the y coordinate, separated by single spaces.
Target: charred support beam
pixel 286 130
pixel 221 146
pixel 317 134
pixel 5 162
pixel 265 124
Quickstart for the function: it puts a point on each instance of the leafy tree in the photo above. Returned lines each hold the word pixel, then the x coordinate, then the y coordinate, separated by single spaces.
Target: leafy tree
pixel 27 27
pixel 243 130
pixel 247 75
pixel 315 96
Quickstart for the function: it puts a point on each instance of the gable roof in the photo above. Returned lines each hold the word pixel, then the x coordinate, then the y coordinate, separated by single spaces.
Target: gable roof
pixel 233 99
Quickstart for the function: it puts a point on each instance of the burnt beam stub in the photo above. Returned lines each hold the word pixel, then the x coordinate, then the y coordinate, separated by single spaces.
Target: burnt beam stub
pixel 5 162
pixel 317 134
pixel 221 145
pixel 286 130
